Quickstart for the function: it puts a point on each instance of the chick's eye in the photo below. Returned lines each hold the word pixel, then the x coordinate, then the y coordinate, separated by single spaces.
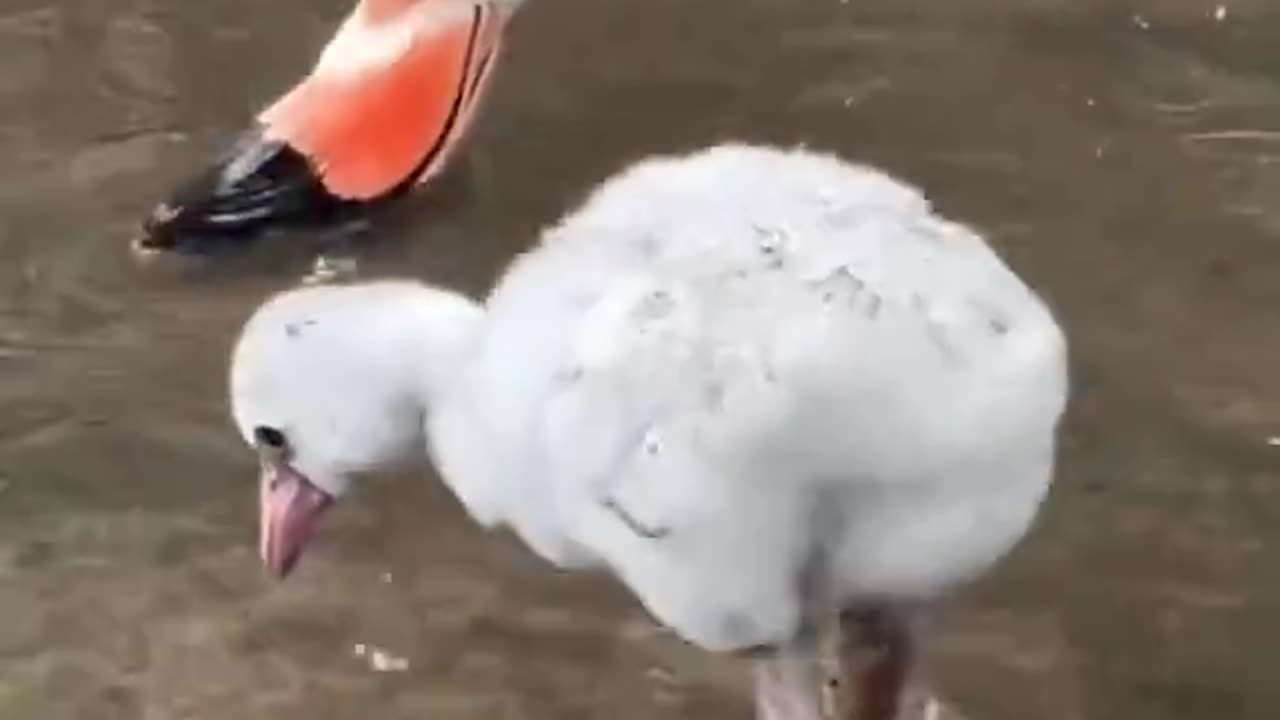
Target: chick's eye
pixel 269 437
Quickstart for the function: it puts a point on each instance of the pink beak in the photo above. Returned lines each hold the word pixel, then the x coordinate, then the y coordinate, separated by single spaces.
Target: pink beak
pixel 290 505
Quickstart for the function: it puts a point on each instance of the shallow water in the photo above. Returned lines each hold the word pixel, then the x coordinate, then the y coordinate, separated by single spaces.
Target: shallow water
pixel 1126 161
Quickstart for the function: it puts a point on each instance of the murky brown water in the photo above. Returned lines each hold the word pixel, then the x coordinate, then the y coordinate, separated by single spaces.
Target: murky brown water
pixel 1127 160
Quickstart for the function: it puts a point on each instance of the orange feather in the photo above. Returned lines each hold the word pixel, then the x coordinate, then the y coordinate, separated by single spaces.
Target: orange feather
pixel 386 10
pixel 370 132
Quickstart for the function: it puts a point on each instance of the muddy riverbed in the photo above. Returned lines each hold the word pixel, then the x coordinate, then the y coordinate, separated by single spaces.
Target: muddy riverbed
pixel 1124 156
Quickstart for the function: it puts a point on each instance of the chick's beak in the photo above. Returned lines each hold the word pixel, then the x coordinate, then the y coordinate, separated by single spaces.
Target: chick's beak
pixel 290 505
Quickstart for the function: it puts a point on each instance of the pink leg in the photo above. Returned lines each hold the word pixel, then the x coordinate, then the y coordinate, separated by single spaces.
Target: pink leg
pixel 873 667
pixel 787 682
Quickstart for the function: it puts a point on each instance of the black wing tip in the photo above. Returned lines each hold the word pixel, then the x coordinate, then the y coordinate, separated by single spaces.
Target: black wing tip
pixel 259 185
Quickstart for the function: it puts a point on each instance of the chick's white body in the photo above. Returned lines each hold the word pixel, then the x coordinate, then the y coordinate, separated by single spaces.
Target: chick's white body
pixel 757 384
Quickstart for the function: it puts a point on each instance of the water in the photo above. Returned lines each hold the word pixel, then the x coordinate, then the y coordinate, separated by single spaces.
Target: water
pixel 1126 160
